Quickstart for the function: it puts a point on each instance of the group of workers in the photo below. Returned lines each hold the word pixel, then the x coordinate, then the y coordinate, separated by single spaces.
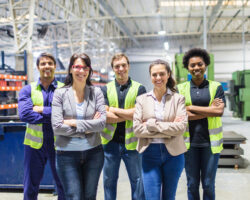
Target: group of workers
pixel 82 129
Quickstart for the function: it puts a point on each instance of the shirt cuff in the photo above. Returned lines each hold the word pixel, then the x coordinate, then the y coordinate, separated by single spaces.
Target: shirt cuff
pixel 46 111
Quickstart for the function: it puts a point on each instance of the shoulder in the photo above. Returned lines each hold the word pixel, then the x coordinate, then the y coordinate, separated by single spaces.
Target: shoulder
pixel 141 97
pixel 61 90
pixel 97 90
pixel 214 83
pixel 178 97
pixel 26 90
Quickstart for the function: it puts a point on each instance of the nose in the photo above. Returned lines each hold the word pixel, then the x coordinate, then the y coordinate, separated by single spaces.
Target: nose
pixel 158 76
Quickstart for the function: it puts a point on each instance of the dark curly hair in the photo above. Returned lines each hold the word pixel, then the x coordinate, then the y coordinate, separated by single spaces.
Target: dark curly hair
pixel 171 81
pixel 85 58
pixel 196 52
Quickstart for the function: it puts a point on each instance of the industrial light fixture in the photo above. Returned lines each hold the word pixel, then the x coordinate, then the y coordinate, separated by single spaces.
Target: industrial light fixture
pixel 166 46
pixel 161 32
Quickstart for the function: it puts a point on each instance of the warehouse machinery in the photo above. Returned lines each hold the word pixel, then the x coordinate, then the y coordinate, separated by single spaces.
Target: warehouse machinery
pixel 239 94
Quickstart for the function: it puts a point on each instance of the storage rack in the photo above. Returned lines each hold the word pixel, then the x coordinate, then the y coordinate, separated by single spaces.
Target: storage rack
pixel 10 83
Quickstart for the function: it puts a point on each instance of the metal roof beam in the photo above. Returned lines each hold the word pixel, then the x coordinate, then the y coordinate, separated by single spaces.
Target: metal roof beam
pixel 119 22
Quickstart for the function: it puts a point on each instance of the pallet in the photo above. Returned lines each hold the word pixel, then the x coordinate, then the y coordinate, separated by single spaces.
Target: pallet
pixel 232 152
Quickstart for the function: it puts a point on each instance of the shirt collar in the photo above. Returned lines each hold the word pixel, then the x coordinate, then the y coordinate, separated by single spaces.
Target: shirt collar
pixel 152 94
pixel 203 84
pixel 125 85
pixel 53 83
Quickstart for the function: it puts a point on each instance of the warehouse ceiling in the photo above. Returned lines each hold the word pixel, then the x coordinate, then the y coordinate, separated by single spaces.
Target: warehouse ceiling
pixel 102 27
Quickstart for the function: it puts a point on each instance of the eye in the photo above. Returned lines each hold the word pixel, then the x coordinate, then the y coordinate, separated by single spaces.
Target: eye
pixel 200 64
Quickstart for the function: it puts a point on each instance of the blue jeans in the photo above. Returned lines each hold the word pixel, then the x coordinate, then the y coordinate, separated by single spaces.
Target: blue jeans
pixel 161 172
pixel 201 164
pixel 79 172
pixel 113 153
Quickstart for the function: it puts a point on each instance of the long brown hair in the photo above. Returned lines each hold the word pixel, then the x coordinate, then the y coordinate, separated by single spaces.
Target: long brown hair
pixel 171 81
pixel 85 58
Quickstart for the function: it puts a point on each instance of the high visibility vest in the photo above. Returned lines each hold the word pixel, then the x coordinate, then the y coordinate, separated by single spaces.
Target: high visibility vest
pixel 214 123
pixel 34 132
pixel 108 132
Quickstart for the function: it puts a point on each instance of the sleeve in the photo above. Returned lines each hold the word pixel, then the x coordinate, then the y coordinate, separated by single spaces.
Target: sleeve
pixel 94 125
pixel 25 108
pixel 171 128
pixel 139 126
pixel 104 91
pixel 220 94
pixel 47 111
pixel 57 118
pixel 141 90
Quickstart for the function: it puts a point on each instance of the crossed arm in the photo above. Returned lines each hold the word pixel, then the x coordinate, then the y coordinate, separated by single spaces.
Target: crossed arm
pixel 216 109
pixel 116 115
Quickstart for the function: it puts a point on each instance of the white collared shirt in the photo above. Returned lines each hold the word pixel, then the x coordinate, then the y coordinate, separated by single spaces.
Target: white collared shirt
pixel 159 110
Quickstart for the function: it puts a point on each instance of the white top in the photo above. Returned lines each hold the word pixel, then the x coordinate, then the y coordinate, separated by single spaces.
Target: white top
pixel 159 111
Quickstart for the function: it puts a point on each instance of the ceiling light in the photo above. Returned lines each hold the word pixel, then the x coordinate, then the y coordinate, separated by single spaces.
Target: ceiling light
pixel 166 46
pixel 161 32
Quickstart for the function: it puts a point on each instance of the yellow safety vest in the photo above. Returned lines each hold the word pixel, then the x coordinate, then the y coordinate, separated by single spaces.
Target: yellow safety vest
pixel 34 132
pixel 214 123
pixel 108 132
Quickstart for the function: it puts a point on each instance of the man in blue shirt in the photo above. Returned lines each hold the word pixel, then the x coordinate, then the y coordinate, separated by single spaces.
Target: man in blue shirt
pixel 34 107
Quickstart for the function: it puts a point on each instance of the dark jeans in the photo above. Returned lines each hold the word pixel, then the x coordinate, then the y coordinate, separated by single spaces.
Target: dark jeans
pixel 34 165
pixel 161 172
pixel 201 164
pixel 79 172
pixel 114 152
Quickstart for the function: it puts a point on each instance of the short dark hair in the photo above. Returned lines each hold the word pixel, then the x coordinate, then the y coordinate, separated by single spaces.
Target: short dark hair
pixel 118 56
pixel 196 52
pixel 85 58
pixel 42 55
pixel 171 81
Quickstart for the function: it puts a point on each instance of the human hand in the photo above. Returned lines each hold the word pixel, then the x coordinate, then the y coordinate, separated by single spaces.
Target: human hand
pixel 179 118
pixel 70 122
pixel 107 108
pixel 189 108
pixel 38 109
pixel 217 102
pixel 97 115
pixel 112 109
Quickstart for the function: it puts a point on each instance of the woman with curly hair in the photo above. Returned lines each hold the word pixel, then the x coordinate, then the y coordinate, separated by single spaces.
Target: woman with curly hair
pixel 205 102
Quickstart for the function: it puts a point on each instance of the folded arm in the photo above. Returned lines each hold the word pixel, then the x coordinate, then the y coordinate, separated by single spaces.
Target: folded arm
pixel 28 112
pixel 175 128
pixel 59 126
pixel 97 123
pixel 216 109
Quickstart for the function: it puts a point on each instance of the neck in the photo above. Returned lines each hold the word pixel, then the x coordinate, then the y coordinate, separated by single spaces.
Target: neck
pixel 122 82
pixel 79 87
pixel 46 82
pixel 198 82
pixel 79 91
pixel 159 92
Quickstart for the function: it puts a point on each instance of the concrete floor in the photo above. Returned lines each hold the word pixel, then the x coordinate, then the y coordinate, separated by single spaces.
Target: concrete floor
pixel 231 184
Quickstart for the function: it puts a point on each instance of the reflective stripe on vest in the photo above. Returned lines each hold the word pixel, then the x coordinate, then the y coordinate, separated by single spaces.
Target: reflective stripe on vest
pixel 34 132
pixel 108 132
pixel 214 123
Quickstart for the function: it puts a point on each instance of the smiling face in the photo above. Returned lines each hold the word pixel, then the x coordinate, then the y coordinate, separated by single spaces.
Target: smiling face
pixel 46 68
pixel 159 76
pixel 197 68
pixel 121 69
pixel 79 71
